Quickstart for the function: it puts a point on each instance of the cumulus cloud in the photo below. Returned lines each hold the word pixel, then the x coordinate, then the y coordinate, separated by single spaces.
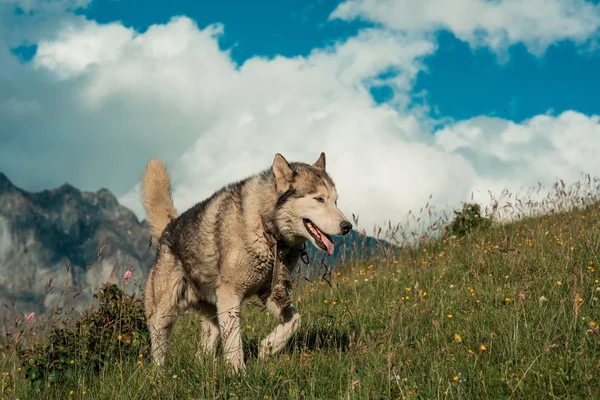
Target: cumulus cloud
pixel 494 24
pixel 27 21
pixel 514 156
pixel 103 98
pixel 76 49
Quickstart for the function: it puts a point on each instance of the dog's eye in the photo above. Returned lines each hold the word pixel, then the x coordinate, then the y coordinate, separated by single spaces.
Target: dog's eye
pixel 320 199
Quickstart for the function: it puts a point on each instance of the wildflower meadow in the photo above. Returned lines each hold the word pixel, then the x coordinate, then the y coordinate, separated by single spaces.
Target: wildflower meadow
pixel 501 308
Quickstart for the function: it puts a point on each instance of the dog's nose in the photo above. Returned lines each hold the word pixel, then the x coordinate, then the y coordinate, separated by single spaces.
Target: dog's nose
pixel 346 227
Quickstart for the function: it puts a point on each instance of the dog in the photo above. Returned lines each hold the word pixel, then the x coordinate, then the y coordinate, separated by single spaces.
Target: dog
pixel 242 241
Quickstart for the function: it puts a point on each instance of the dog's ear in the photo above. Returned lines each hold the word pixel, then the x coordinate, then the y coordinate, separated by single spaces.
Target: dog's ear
pixel 284 175
pixel 320 163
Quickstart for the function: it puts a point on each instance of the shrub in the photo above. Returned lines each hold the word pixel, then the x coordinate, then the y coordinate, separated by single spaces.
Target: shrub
pixel 468 220
pixel 116 330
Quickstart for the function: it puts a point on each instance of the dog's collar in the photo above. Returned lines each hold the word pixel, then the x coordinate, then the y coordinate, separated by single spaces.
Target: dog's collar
pixel 280 281
pixel 272 239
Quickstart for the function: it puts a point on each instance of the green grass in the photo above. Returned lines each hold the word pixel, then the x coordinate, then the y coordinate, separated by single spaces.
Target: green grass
pixel 507 312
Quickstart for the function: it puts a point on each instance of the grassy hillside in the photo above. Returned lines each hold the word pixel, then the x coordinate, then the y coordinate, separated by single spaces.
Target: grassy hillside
pixel 505 311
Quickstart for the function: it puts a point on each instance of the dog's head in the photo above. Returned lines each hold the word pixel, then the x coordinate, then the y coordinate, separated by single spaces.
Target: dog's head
pixel 306 206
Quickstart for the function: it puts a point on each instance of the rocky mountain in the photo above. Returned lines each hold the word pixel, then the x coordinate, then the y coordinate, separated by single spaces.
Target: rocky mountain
pixel 65 238
pixel 73 240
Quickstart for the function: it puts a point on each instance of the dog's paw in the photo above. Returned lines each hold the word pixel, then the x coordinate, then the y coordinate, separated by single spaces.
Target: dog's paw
pixel 265 349
pixel 238 369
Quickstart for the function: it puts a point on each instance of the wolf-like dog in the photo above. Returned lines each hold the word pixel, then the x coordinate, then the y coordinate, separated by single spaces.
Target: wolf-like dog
pixel 227 248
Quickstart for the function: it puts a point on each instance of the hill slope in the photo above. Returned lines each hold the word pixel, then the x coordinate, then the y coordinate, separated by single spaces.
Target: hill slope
pixel 511 311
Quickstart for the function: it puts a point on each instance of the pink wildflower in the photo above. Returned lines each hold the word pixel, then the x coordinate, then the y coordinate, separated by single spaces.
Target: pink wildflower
pixel 127 275
pixel 30 317
pixel 521 296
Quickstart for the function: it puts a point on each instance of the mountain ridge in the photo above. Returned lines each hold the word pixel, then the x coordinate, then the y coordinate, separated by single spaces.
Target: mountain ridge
pixel 66 235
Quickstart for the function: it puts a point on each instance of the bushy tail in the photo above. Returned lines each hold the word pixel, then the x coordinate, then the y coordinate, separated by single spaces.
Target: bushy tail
pixel 156 197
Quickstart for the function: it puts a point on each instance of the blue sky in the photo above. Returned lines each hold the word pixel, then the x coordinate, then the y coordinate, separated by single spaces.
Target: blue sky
pixel 463 83
pixel 264 28
pixel 460 83
pixel 498 95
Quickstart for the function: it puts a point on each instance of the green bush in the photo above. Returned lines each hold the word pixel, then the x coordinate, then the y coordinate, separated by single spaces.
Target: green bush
pixel 468 220
pixel 116 330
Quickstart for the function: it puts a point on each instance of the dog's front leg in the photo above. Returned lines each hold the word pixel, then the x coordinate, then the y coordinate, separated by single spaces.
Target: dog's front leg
pixel 289 322
pixel 228 311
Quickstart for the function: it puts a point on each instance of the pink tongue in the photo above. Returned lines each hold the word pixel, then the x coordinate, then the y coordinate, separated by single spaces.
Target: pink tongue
pixel 328 243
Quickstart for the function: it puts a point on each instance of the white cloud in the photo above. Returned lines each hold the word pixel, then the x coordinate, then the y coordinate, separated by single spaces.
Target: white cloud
pixel 108 98
pixel 77 48
pixel 15 109
pixel 513 156
pixel 565 144
pixel 27 21
pixel 495 24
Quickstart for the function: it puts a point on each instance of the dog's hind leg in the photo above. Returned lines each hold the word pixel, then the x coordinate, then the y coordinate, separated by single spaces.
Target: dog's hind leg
pixel 160 326
pixel 160 317
pixel 289 322
pixel 210 330
pixel 228 311
pixel 165 298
